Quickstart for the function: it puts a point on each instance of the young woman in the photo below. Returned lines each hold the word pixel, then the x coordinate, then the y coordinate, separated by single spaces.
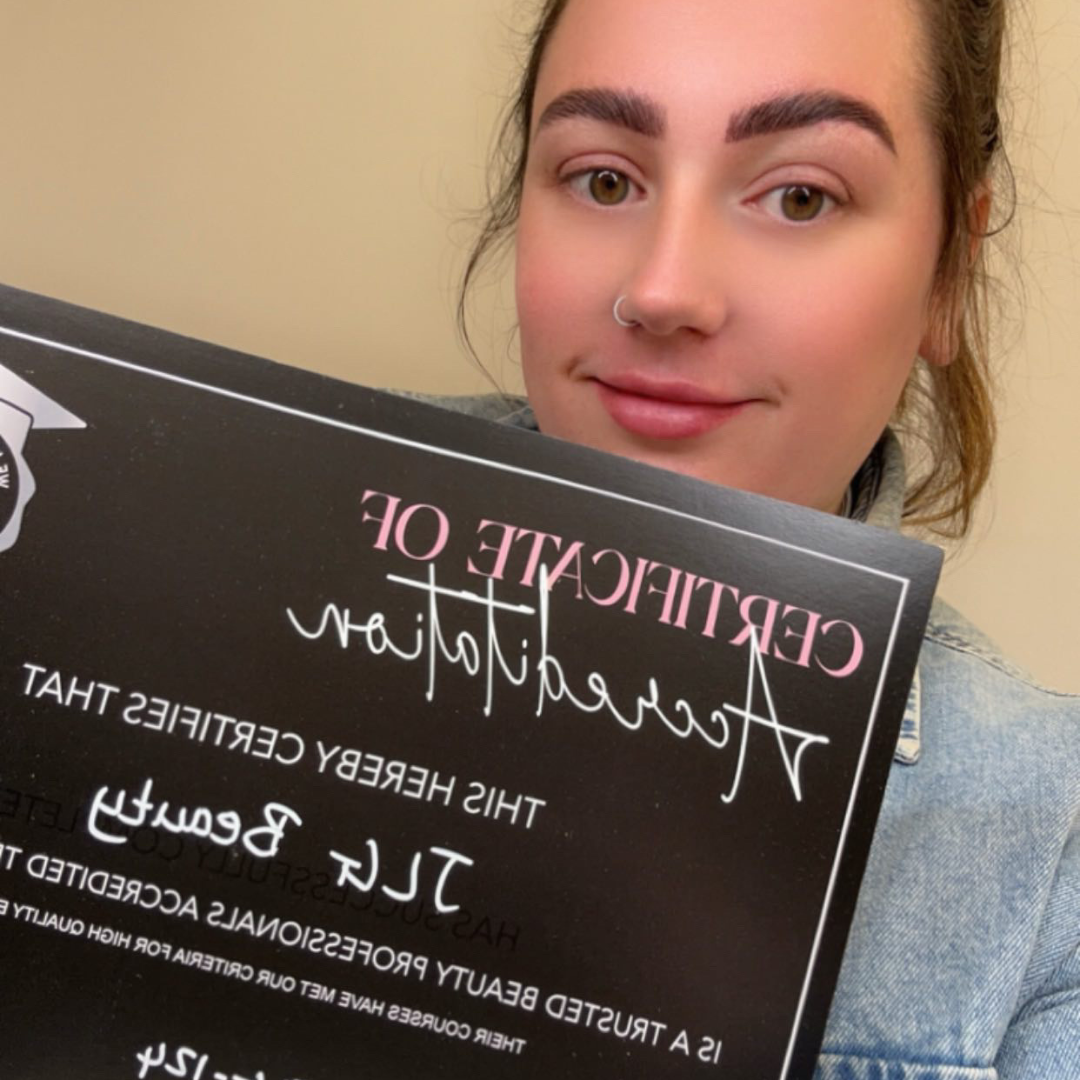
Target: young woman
pixel 748 240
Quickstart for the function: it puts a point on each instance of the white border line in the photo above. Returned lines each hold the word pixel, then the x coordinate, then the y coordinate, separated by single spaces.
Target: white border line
pixel 444 452
pixel 844 832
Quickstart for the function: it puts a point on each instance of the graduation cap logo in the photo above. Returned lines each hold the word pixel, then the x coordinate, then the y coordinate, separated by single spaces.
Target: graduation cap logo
pixel 22 408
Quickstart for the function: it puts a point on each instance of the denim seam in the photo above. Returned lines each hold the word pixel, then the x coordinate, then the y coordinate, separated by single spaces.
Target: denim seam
pixel 914 1062
pixel 962 645
pixel 1034 1004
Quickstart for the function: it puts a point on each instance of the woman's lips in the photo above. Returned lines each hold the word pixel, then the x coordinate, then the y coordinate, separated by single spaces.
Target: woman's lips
pixel 664 410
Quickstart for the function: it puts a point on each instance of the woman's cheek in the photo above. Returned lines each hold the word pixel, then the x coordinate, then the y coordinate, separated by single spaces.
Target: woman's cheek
pixel 871 307
pixel 888 287
pixel 558 292
pixel 537 293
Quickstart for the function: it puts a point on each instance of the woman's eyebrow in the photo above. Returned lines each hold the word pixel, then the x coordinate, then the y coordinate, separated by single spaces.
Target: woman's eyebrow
pixel 622 107
pixel 642 115
pixel 790 111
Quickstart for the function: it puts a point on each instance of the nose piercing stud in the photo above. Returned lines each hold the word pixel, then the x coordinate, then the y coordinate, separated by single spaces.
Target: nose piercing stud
pixel 619 319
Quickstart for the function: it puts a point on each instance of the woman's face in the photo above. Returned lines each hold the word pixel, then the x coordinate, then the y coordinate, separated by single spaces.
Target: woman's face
pixel 757 182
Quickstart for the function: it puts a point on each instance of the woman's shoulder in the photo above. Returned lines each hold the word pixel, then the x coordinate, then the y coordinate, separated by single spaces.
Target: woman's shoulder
pixel 990 721
pixel 962 646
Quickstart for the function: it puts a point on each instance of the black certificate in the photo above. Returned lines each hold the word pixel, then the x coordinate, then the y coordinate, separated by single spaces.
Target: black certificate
pixel 345 736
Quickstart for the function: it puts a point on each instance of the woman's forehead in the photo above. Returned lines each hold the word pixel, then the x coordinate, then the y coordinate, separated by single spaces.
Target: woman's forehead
pixel 711 58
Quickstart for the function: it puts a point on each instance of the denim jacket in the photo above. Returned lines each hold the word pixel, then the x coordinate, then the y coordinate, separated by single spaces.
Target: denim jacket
pixel 963 961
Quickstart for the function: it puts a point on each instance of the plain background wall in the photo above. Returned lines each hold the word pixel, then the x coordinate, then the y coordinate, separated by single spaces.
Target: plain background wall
pixel 291 179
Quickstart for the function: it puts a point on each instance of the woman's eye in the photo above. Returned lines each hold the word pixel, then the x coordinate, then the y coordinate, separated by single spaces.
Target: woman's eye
pixel 606 187
pixel 798 203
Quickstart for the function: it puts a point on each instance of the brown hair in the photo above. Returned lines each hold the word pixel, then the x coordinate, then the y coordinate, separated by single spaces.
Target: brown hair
pixel 947 409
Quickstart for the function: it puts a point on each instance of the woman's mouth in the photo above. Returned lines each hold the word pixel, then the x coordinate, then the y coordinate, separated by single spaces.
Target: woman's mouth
pixel 664 410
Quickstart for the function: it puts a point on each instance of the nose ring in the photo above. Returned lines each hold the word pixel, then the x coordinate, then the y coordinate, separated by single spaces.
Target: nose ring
pixel 619 319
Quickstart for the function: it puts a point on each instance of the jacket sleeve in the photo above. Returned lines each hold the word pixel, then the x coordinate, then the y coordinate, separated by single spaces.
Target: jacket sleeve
pixel 1043 1040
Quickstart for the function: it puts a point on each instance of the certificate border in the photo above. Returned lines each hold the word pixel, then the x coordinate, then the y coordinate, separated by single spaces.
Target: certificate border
pixel 443 451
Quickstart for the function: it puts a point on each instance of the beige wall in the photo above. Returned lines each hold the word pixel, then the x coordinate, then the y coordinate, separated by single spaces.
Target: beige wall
pixel 285 178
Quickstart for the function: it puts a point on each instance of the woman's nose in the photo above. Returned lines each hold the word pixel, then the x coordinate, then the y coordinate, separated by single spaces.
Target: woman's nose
pixel 677 281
